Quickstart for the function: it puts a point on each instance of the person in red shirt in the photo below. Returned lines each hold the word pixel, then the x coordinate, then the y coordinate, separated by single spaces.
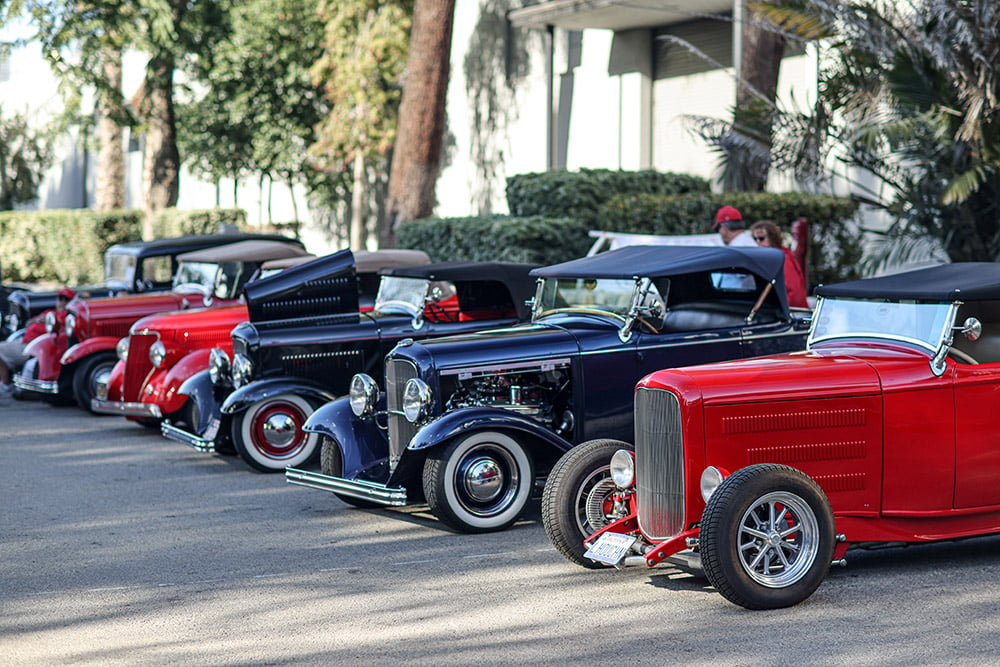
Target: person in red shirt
pixel 767 234
pixel 12 356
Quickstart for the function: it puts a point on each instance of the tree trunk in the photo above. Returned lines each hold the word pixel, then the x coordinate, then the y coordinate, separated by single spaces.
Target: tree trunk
pixel 111 153
pixel 359 204
pixel 763 47
pixel 161 168
pixel 416 158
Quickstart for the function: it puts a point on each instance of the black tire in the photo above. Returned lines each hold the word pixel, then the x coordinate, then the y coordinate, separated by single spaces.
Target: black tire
pixel 331 463
pixel 88 374
pixel 269 437
pixel 575 502
pixel 500 462
pixel 801 537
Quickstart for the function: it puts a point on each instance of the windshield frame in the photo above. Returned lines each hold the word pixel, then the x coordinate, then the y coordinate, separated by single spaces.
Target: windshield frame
pixel 539 310
pixel 402 301
pixel 935 338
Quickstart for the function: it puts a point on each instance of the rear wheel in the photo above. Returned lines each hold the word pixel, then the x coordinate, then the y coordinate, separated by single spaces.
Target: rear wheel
pixel 91 372
pixel 331 463
pixel 577 500
pixel 269 437
pixel 479 483
pixel 767 537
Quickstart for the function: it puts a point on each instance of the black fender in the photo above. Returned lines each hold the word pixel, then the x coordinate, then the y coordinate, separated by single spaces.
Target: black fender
pixel 257 391
pixel 200 391
pixel 364 447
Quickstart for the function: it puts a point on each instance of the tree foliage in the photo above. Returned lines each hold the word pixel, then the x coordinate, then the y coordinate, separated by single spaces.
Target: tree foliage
pixel 25 155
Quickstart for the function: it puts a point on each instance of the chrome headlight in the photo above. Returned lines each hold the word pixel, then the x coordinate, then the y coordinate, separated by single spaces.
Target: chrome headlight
pixel 50 322
pixel 623 468
pixel 364 395
pixel 242 370
pixel 416 400
pixel 13 322
pixel 218 366
pixel 121 349
pixel 70 324
pixel 157 353
pixel 711 478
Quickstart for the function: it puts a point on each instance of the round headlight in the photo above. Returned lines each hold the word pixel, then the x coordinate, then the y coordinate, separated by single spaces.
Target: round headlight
pixel 218 366
pixel 70 324
pixel 13 322
pixel 121 349
pixel 157 353
pixel 50 322
pixel 416 400
pixel 242 370
pixel 364 394
pixel 711 478
pixel 623 468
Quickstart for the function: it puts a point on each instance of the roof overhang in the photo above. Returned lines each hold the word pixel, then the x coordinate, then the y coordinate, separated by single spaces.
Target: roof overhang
pixel 614 15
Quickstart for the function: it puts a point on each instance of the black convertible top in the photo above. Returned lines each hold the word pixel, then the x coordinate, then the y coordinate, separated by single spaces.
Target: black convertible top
pixel 661 261
pixel 961 281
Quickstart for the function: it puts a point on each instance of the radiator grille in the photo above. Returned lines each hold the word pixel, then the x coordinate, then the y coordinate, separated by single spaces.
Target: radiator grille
pixel 334 368
pixel 138 366
pixel 401 431
pixel 659 455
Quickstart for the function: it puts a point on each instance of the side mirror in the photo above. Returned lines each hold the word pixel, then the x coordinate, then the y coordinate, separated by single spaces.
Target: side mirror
pixel 972 328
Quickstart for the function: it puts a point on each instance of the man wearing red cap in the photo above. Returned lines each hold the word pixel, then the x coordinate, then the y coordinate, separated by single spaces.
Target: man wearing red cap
pixel 731 227
pixel 12 356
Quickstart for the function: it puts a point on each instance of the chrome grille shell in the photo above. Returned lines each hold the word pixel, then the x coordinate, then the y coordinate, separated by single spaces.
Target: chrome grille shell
pixel 397 373
pixel 659 457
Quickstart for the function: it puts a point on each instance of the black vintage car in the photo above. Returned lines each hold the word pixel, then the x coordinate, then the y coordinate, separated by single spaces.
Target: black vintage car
pixel 472 424
pixel 306 338
pixel 129 268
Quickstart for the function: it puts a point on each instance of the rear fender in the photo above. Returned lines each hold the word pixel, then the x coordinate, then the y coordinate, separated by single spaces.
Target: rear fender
pixel 245 396
pixel 364 447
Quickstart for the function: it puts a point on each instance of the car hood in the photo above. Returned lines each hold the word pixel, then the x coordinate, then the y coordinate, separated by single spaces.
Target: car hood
pixel 194 323
pixel 496 347
pixel 135 304
pixel 827 372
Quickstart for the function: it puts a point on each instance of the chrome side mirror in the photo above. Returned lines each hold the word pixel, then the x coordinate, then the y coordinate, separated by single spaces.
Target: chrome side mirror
pixel 972 328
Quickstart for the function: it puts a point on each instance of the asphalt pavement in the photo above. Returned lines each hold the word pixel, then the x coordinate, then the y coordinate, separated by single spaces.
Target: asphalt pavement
pixel 122 548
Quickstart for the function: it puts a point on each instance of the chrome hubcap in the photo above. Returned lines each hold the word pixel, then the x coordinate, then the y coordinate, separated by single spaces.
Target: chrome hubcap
pixel 279 430
pixel 483 479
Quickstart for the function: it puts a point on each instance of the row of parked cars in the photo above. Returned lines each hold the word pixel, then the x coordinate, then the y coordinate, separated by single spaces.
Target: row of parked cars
pixel 665 402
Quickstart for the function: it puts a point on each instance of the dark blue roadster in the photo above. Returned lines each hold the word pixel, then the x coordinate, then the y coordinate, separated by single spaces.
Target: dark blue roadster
pixel 471 424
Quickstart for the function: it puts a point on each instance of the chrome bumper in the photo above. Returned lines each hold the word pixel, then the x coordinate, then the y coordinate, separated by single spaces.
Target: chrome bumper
pixel 376 493
pixel 177 434
pixel 39 386
pixel 106 407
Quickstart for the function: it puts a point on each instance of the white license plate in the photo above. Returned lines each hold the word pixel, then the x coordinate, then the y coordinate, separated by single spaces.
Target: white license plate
pixel 610 548
pixel 212 430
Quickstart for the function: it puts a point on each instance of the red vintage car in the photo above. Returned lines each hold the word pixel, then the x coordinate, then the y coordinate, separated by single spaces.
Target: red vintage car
pixel 763 472
pixel 70 364
pixel 176 345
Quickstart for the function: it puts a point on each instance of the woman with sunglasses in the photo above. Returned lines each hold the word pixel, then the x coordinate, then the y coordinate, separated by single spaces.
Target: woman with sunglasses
pixel 766 234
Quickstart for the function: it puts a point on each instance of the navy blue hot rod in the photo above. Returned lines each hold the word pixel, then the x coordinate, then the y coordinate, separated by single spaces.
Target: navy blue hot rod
pixel 471 423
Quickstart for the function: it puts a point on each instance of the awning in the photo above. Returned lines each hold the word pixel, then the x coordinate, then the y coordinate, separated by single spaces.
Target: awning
pixel 614 14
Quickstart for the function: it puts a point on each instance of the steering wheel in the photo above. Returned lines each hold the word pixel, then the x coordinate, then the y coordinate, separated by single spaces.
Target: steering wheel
pixel 960 356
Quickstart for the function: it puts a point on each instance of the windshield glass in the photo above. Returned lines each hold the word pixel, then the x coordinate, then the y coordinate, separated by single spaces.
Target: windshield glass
pixel 924 324
pixel 219 280
pixel 606 295
pixel 401 296
pixel 119 267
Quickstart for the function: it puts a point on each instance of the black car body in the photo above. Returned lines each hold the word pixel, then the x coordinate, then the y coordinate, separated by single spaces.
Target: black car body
pixel 298 351
pixel 471 423
pixel 129 268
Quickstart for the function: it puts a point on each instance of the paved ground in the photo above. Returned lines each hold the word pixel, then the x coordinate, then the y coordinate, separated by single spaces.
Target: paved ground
pixel 121 548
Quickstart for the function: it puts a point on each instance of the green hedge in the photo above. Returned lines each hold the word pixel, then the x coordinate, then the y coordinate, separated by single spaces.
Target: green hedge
pixel 67 246
pixel 835 243
pixel 579 194
pixel 497 238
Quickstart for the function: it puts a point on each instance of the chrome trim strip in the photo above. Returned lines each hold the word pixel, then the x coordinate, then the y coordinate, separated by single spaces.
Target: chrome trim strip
pixel 377 493
pixel 106 407
pixel 177 434
pixel 39 386
pixel 517 365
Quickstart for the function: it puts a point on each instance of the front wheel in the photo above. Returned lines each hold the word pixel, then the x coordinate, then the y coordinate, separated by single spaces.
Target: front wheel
pixel 479 483
pixel 268 435
pixel 90 374
pixel 578 498
pixel 767 537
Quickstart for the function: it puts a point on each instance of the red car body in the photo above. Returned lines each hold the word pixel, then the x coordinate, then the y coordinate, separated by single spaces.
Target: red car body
pixel 765 471
pixel 72 363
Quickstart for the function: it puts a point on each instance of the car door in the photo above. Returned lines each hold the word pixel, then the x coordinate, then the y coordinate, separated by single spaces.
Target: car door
pixel 977 435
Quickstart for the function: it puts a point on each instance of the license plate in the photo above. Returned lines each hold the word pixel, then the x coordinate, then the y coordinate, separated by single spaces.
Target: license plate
pixel 212 430
pixel 610 548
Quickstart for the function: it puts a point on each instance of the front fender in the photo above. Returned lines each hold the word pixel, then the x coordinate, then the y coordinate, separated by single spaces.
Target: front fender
pixel 245 396
pixel 116 383
pixel 469 420
pixel 87 347
pixel 169 383
pixel 199 389
pixel 47 349
pixel 364 447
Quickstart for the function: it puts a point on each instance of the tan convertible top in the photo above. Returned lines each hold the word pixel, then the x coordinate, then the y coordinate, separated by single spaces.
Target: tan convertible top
pixel 245 251
pixel 371 262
